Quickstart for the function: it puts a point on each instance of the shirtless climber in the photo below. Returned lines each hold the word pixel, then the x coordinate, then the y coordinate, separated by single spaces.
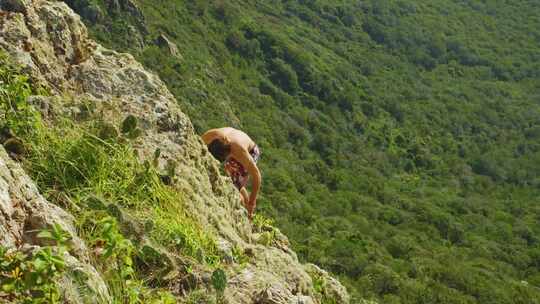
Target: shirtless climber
pixel 240 155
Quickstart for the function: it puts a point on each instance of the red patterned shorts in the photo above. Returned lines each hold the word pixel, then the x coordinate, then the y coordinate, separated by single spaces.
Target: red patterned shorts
pixel 237 172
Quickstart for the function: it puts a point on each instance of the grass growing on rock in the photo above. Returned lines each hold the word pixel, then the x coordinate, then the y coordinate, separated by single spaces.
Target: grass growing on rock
pixel 73 160
pixel 92 172
pixel 78 170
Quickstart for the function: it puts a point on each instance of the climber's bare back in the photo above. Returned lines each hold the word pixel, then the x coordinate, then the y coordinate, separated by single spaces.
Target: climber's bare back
pixel 234 136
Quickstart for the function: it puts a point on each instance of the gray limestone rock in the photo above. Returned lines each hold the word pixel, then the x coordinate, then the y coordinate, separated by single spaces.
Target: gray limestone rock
pixel 82 283
pixel 24 212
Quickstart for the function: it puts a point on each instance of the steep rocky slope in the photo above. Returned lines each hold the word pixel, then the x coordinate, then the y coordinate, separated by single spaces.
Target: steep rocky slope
pixel 24 212
pixel 51 43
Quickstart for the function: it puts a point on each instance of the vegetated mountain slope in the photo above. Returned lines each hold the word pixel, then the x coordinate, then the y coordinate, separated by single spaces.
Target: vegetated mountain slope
pixel 400 138
pixel 151 218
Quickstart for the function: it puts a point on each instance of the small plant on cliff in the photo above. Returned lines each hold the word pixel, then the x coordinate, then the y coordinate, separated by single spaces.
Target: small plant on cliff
pixel 73 159
pixel 15 112
pixel 116 258
pixel 261 223
pixel 239 256
pixel 30 277
pixel 263 226
pixel 321 291
pixel 219 282
pixel 57 235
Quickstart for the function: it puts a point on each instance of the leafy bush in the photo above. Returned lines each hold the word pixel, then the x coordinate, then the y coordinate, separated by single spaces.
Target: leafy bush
pixel 31 277
pixel 16 114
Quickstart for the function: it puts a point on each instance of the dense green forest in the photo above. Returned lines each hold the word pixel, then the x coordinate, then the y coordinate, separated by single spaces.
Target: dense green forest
pixel 400 139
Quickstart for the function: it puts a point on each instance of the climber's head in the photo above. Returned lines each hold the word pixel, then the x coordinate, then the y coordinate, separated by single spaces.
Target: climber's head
pixel 219 149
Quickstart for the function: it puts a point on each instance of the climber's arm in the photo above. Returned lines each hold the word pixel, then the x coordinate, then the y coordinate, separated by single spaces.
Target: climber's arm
pixel 247 161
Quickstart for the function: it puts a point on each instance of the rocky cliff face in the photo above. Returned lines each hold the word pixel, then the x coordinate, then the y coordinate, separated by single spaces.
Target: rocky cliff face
pixel 48 39
pixel 24 212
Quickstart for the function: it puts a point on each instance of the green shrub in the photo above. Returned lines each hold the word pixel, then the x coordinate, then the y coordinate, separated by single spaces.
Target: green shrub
pixel 16 115
pixel 32 277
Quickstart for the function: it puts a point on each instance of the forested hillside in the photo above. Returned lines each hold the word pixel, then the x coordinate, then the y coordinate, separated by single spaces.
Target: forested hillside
pixel 400 139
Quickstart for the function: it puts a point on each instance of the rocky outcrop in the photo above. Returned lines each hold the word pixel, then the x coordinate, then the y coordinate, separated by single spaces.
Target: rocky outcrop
pixel 163 41
pixel 49 40
pixel 24 212
pixel 331 288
